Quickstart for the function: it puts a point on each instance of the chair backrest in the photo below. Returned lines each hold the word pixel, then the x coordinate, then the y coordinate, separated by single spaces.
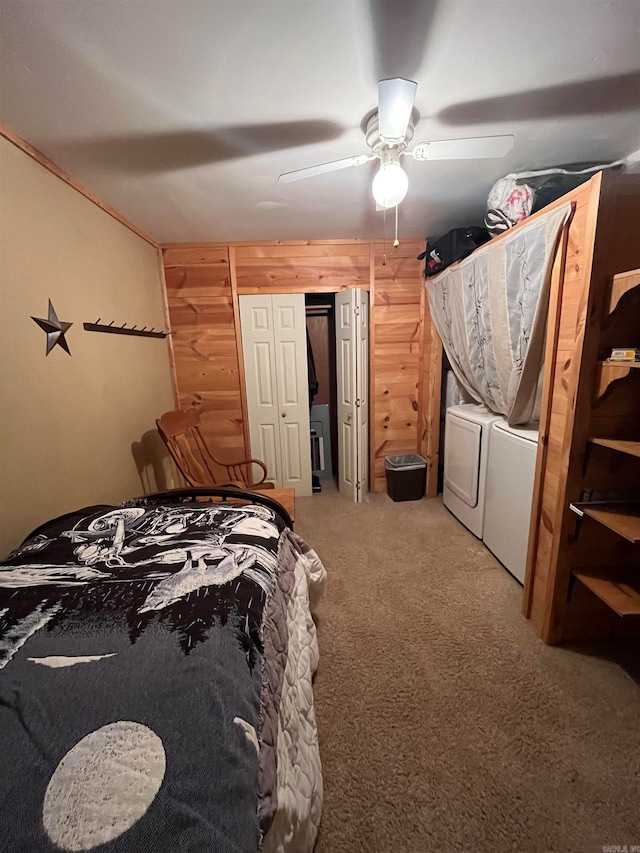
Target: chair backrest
pixel 180 431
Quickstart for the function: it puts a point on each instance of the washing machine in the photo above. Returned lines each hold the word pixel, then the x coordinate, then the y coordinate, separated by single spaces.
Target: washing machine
pixel 466 445
pixel 511 472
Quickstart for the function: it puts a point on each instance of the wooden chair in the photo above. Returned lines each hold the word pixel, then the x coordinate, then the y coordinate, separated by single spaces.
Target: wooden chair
pixel 180 431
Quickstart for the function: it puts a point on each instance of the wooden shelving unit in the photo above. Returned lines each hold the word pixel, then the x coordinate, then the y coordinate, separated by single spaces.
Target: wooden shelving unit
pixel 619 588
pixel 583 574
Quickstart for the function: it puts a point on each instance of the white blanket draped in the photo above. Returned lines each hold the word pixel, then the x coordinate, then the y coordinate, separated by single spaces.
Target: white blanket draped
pixel 491 313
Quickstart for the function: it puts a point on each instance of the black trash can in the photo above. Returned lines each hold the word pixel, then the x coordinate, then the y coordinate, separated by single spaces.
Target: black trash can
pixel 406 476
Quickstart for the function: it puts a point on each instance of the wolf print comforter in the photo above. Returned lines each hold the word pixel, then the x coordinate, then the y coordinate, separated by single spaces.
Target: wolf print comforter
pixel 152 659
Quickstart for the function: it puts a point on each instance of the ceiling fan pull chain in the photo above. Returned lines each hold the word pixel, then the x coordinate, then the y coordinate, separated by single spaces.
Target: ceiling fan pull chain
pixel 384 237
pixel 396 242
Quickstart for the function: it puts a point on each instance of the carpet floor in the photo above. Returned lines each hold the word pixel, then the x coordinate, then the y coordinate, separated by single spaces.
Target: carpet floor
pixel 445 724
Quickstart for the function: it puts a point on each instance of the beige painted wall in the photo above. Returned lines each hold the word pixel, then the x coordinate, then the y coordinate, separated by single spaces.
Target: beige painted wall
pixel 74 430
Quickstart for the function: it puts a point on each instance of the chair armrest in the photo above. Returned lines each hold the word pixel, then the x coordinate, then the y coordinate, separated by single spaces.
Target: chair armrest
pixel 260 464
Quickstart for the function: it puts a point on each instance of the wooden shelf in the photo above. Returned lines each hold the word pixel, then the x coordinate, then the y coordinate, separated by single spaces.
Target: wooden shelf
pixel 619 587
pixel 621 517
pixel 632 448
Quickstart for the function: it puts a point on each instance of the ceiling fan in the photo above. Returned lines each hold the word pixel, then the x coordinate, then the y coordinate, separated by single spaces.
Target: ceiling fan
pixel 388 133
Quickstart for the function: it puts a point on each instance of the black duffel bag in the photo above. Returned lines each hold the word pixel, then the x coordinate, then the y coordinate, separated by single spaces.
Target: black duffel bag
pixel 452 246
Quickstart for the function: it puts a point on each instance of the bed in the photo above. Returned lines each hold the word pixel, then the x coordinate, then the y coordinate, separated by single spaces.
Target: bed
pixel 156 661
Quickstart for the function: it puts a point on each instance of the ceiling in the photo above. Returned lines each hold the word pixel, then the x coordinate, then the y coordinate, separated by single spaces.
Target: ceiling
pixel 181 114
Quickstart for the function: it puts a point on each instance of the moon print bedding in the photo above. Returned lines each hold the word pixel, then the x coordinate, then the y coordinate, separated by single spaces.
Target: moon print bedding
pixel 155 683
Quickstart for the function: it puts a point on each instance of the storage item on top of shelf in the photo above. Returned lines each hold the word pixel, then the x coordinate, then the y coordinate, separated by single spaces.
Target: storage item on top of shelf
pixel 624 355
pixel 452 246
pixel 508 203
pixel 517 195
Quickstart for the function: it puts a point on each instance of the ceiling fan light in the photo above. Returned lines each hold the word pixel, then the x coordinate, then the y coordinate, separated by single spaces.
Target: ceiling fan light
pixel 390 185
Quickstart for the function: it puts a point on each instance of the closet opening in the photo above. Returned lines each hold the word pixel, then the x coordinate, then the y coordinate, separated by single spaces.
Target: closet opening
pixel 327 436
pixel 323 418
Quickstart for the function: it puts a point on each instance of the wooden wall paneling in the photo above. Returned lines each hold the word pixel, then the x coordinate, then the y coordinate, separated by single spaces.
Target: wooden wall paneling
pixel 395 354
pixel 190 255
pixel 311 268
pixel 305 249
pixel 201 310
pixel 204 282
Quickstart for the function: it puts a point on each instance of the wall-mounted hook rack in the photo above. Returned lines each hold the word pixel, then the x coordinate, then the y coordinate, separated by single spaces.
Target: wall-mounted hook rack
pixel 123 330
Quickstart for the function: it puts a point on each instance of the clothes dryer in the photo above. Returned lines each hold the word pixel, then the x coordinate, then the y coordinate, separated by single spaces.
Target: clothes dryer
pixel 466 446
pixel 510 477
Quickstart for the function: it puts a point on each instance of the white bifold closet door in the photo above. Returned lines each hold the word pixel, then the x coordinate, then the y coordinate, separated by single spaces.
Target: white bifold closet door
pixel 274 342
pixel 352 368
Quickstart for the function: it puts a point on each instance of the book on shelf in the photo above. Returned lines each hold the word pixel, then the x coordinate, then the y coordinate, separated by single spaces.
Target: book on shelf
pixel 625 354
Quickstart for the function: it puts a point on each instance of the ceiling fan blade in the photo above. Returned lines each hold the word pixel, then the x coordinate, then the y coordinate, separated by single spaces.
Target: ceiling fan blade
pixel 475 148
pixel 334 165
pixel 395 102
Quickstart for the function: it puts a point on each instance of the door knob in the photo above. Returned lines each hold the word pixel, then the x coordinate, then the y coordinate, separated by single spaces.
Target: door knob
pixel 284 414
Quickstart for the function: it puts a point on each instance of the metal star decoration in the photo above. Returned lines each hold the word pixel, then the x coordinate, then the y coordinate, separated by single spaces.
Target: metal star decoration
pixel 55 329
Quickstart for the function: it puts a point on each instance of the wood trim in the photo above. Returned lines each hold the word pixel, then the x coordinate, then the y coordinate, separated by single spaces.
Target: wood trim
pixel 44 161
pixel 422 379
pixel 375 241
pixel 429 392
pixel 239 349
pixel 548 381
pixel 433 421
pixel 167 321
pixel 577 408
